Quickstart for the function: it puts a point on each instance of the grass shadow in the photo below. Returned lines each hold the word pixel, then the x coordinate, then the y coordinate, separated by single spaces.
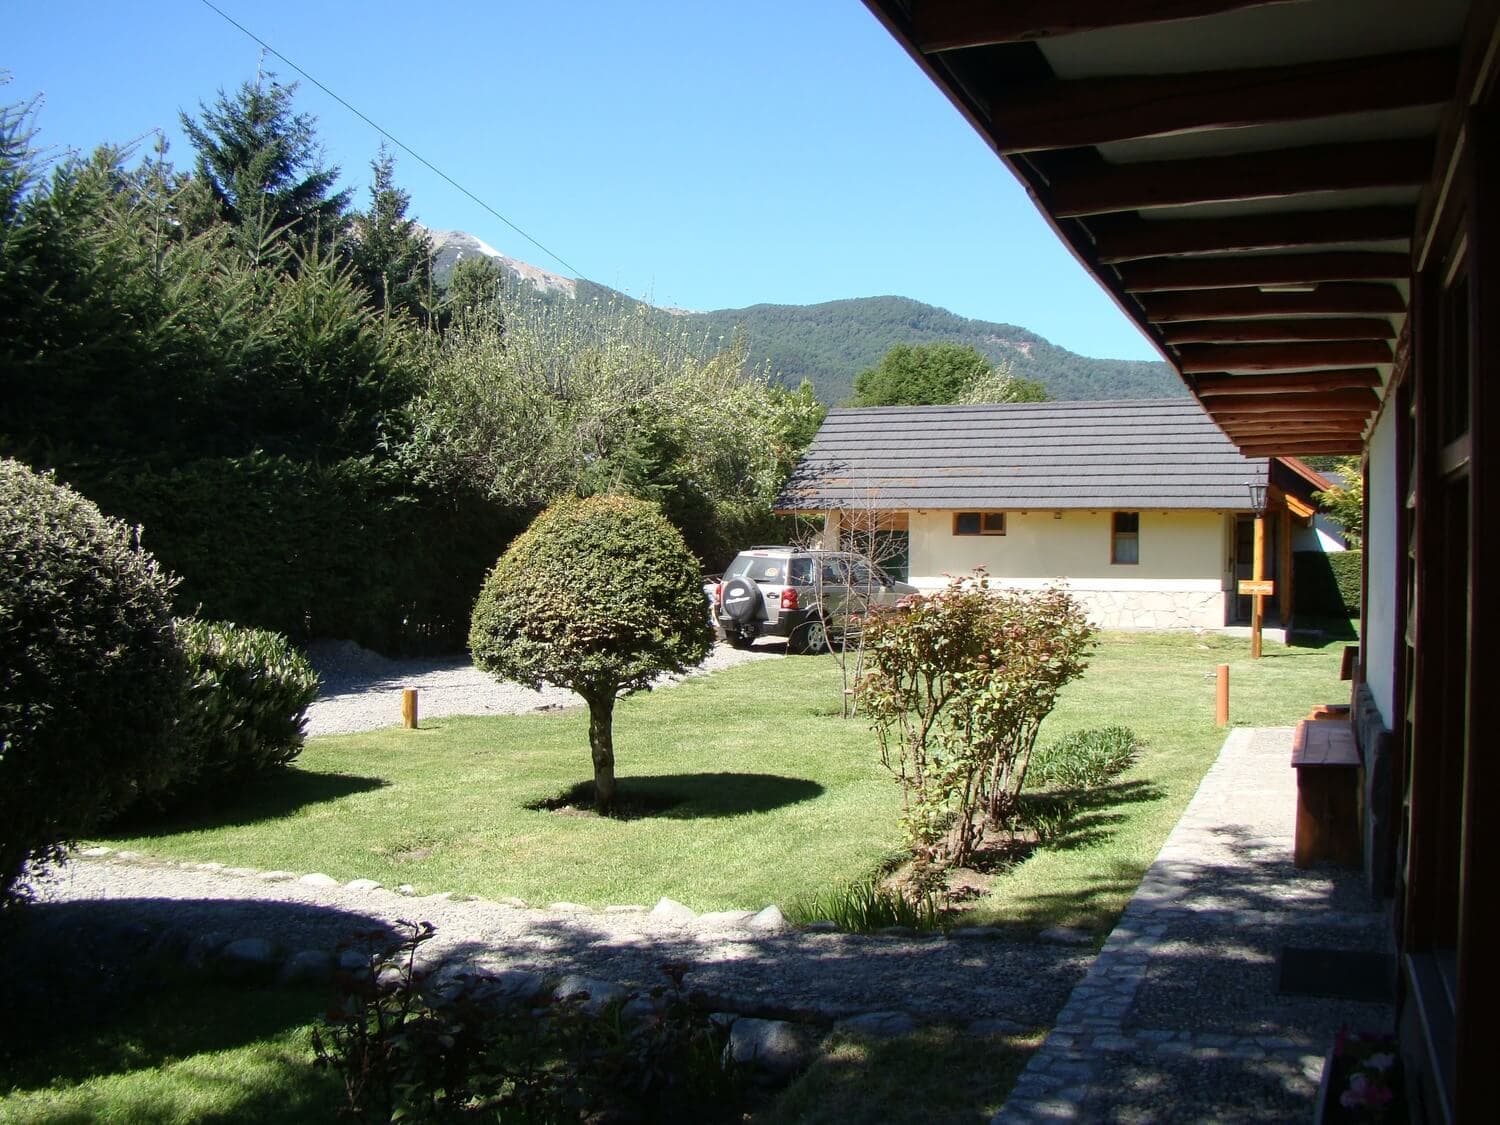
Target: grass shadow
pixel 1089 820
pixel 688 796
pixel 272 797
pixel 1316 631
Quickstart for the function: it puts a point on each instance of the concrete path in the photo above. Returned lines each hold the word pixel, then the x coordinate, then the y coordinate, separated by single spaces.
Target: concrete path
pixel 1179 1017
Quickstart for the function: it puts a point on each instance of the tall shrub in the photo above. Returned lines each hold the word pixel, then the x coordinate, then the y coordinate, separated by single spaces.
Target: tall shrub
pixel 600 596
pixel 91 669
pixel 246 705
pixel 958 686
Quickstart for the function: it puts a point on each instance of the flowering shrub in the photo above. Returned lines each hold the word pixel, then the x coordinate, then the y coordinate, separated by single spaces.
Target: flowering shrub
pixel 960 682
pixel 1366 1066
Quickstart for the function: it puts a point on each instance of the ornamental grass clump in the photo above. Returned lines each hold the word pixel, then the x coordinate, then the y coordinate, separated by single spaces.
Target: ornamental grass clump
pixel 600 596
pixel 92 672
pixel 959 684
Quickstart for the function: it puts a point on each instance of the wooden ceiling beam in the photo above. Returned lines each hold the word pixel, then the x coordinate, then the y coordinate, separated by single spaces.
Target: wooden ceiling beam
pixel 1289 426
pixel 1258 331
pixel 948 25
pixel 1093 111
pixel 1222 386
pixel 1265 269
pixel 1351 401
pixel 1196 359
pixel 1246 175
pixel 1279 231
pixel 1332 299
pixel 1304 448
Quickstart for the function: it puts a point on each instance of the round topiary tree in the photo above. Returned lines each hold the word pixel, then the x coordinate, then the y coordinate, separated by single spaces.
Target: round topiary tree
pixel 92 673
pixel 600 596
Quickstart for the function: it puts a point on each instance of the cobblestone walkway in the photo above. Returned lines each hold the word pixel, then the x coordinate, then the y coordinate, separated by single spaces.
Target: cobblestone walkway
pixel 1179 1017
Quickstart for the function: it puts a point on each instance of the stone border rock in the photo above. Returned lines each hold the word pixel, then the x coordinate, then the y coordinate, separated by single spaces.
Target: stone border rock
pixel 775 1040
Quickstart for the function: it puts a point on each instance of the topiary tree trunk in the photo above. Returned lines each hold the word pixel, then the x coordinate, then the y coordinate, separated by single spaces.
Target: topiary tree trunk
pixel 602 743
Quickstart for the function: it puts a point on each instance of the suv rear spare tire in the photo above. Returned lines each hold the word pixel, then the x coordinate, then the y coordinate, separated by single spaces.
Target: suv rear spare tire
pixel 740 598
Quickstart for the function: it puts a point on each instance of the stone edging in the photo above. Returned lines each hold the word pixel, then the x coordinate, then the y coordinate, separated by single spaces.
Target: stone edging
pixel 772 1040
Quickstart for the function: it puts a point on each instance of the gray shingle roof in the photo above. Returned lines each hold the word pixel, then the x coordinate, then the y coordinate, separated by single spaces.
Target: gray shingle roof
pixel 1127 454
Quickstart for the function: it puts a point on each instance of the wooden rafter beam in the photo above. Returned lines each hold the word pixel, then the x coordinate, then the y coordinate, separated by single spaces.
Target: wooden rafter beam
pixel 1249 175
pixel 1350 401
pixel 1094 111
pixel 1200 358
pixel 1217 387
pixel 1333 299
pixel 1255 331
pixel 1266 269
pixel 947 25
pixel 1292 427
pixel 1303 448
pixel 1279 231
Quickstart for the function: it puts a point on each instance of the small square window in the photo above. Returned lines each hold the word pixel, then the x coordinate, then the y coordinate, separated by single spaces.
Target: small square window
pixel 978 523
pixel 1125 539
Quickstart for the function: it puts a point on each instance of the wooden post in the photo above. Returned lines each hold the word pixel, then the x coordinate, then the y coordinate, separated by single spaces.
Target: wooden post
pixel 1257 601
pixel 1221 707
pixel 409 708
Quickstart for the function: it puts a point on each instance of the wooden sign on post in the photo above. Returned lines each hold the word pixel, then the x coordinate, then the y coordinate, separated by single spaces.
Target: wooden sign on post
pixel 1250 587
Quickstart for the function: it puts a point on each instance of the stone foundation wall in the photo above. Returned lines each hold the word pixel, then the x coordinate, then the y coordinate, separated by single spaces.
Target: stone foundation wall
pixel 1153 609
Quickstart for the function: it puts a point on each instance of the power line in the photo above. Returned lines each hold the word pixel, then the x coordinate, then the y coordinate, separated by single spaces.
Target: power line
pixel 418 157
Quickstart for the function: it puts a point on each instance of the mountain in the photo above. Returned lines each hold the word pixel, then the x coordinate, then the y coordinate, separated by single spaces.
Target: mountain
pixel 830 343
pixel 449 247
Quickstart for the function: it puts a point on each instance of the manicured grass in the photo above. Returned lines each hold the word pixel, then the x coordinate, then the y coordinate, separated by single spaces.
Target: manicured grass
pixel 772 796
pixel 769 795
pixel 936 1076
pixel 194 1053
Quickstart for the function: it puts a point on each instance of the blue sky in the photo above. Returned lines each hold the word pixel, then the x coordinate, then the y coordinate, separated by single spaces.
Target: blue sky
pixel 698 154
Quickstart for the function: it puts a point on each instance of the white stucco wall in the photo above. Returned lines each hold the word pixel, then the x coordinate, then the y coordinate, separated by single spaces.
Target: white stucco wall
pixel 1179 582
pixel 1381 553
pixel 1322 534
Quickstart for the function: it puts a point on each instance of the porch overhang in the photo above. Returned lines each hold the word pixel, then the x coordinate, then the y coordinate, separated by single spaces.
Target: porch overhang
pixel 1252 181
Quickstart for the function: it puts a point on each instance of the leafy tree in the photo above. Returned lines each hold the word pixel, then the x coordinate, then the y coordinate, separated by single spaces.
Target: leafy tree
pixel 1345 502
pixel 92 671
pixel 392 254
pixel 475 292
pixel 598 595
pixel 265 167
pixel 1000 385
pixel 920 375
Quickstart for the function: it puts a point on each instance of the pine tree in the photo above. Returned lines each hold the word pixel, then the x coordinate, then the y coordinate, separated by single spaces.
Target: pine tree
pixel 392 254
pixel 265 167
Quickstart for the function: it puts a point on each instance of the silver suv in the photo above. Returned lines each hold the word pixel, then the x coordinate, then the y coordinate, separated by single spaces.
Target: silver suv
pixel 809 597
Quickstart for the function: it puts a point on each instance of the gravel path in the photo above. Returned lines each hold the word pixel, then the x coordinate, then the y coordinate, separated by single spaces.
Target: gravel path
pixel 786 972
pixel 362 689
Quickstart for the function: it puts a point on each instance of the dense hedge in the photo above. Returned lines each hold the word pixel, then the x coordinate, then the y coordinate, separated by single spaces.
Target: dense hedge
pixel 92 673
pixel 1326 584
pixel 247 697
pixel 346 550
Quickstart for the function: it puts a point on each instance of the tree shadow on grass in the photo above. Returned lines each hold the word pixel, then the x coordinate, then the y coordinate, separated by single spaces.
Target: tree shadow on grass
pixel 687 796
pixel 1087 819
pixel 272 797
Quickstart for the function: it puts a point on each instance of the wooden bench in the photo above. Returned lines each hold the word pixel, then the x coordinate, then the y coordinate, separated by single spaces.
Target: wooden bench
pixel 1330 788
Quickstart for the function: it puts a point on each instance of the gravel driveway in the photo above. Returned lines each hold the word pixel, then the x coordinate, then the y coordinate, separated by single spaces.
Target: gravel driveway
pixel 362 689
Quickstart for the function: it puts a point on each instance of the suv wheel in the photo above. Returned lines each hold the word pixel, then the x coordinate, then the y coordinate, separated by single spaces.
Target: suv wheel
pixel 811 638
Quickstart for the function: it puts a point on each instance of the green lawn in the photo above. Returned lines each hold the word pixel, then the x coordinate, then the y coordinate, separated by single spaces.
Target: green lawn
pixel 760 792
pixel 195 1053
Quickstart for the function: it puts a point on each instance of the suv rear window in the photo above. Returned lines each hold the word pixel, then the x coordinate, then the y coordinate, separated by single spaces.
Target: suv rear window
pixel 758 569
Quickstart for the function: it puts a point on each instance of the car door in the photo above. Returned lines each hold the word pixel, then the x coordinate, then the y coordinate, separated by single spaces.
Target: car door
pixel 867 587
pixel 833 588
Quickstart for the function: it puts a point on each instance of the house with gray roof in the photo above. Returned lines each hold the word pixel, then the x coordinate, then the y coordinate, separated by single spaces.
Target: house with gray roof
pixel 1143 506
